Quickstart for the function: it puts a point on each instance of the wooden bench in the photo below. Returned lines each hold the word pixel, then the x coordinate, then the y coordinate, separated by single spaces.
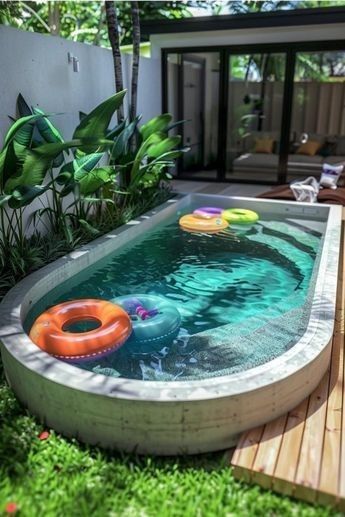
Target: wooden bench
pixel 302 453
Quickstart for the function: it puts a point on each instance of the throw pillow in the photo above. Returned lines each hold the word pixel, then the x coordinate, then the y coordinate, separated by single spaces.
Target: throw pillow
pixel 310 148
pixel 330 175
pixel 264 145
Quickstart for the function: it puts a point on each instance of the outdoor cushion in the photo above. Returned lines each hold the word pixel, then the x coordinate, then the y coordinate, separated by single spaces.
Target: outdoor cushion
pixel 334 160
pixel 264 145
pixel 310 148
pixel 256 160
pixel 327 195
pixel 302 160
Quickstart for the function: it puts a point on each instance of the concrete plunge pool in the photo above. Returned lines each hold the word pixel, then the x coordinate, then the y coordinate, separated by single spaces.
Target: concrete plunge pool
pixel 251 314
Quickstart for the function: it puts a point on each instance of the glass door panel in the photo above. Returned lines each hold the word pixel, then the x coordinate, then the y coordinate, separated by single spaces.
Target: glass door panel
pixel 318 113
pixel 193 96
pixel 255 104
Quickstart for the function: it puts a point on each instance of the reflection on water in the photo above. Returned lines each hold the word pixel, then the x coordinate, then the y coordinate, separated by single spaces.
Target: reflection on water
pixel 226 287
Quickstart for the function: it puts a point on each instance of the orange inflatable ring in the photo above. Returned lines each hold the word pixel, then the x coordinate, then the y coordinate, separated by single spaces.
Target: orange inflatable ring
pixel 48 330
pixel 197 223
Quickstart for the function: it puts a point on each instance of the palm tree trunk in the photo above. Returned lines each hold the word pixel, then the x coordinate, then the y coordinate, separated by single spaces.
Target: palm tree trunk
pixel 113 33
pixel 54 17
pixel 136 55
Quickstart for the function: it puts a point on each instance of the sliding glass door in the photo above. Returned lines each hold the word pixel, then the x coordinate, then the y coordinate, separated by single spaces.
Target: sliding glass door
pixel 255 104
pixel 263 114
pixel 193 96
pixel 318 113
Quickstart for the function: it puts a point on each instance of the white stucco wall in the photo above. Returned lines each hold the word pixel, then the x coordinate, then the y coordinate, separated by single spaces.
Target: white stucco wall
pixel 36 65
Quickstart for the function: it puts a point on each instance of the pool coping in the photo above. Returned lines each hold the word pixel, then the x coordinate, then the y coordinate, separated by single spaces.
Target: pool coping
pixel 316 338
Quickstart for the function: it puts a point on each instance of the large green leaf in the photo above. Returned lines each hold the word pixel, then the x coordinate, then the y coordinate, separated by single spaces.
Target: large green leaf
pixel 18 125
pixel 157 124
pixel 80 166
pixel 37 163
pixel 24 195
pixel 75 170
pixel 121 143
pixel 53 150
pixel 96 123
pixel 112 133
pixel 8 163
pixel 46 129
pixel 155 151
pixel 94 180
pixel 22 107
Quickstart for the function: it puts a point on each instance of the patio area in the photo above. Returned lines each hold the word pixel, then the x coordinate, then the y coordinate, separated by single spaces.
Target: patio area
pixel 167 307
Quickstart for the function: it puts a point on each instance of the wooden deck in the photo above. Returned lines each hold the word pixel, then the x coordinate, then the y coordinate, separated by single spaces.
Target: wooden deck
pixel 302 453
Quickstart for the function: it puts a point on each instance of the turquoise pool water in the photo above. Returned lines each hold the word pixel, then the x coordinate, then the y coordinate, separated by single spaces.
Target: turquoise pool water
pixel 243 297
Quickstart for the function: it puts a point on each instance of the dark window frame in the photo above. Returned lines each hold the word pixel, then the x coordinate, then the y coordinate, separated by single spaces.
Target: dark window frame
pixel 290 49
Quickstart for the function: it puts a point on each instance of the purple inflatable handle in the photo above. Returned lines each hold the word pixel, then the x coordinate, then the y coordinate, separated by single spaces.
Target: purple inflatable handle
pixel 208 211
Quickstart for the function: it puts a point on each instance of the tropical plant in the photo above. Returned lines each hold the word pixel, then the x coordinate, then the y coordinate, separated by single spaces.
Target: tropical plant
pixel 85 21
pixel 75 182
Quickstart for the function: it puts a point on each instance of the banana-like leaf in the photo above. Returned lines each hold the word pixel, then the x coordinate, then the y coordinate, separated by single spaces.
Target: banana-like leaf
pixel 87 226
pixel 157 124
pixel 8 163
pixel 53 150
pixel 22 107
pixel 176 124
pixel 121 144
pixel 46 129
pixel 153 139
pixel 112 133
pixel 24 195
pixel 96 123
pixel 95 179
pixel 79 167
pixel 38 161
pixel 155 151
pixel 18 125
pixel 82 115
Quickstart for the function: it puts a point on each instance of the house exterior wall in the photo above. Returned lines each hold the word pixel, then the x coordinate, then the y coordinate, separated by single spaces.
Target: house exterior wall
pixel 246 37
pixel 36 65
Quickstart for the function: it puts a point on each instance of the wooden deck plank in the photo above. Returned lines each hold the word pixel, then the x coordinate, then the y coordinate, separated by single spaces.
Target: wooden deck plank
pixel 285 471
pixel 244 455
pixel 302 454
pixel 330 466
pixel 309 463
pixel 267 454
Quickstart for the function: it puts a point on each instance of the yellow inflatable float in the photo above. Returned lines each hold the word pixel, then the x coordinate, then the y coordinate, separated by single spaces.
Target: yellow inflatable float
pixel 240 216
pixel 196 223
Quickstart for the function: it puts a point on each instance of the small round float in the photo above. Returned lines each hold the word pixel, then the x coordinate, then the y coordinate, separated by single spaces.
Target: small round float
pixel 197 223
pixel 50 330
pixel 155 321
pixel 208 211
pixel 241 216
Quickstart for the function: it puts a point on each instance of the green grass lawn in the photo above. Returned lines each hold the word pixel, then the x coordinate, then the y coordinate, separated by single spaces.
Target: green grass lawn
pixel 60 477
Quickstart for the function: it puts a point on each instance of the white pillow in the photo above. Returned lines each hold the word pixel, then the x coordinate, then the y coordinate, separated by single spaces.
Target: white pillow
pixel 330 175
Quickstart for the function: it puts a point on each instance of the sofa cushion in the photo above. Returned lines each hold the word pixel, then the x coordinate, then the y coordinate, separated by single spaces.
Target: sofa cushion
pixel 334 160
pixel 264 145
pixel 256 160
pixel 310 148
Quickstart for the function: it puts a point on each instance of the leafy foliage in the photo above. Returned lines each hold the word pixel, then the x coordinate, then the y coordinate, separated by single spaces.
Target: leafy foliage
pixel 85 20
pixel 74 183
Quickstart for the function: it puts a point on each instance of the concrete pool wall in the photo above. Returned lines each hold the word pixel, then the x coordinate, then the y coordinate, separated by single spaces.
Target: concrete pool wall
pixel 167 417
